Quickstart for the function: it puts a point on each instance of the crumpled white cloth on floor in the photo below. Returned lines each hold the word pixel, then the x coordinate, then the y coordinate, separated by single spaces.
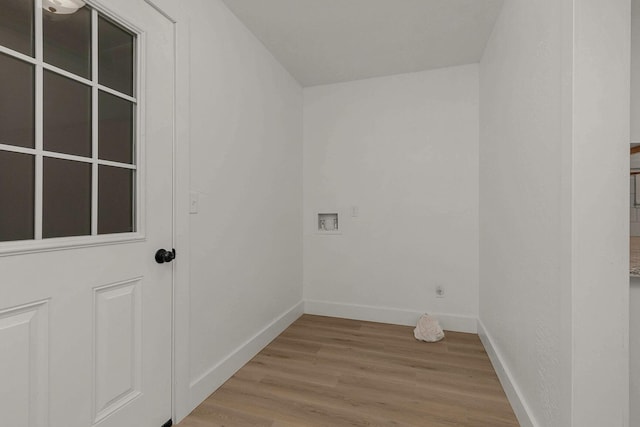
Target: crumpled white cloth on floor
pixel 428 329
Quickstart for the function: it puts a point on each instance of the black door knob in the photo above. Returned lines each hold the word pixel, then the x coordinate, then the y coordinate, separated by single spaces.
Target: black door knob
pixel 163 255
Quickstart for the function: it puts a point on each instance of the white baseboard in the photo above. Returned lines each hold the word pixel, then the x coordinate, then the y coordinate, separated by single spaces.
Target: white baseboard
pixel 395 316
pixel 203 386
pixel 520 407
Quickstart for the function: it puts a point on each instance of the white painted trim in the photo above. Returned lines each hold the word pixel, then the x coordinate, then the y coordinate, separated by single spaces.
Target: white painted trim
pixel 207 383
pixel 22 247
pixel 120 95
pixel 519 405
pixel 396 316
pixel 181 399
pixel 38 123
pixel 162 11
pixel 95 122
pixel 18 55
pixel 63 156
pixel 182 404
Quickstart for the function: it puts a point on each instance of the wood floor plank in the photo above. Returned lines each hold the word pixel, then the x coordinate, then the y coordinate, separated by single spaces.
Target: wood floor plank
pixel 326 371
pixel 212 414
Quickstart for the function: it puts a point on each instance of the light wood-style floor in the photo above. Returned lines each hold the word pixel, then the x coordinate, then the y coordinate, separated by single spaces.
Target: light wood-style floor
pixel 334 372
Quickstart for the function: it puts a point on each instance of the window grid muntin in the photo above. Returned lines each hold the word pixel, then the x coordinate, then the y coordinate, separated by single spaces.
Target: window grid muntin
pixel 40 153
pixel 64 156
pixel 39 121
pixel 94 123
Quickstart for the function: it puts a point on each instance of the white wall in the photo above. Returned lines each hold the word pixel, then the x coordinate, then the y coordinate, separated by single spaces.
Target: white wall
pixel 634 352
pixel 600 220
pixel 404 150
pixel 635 71
pixel 245 126
pixel 553 282
pixel 521 218
pixel 634 296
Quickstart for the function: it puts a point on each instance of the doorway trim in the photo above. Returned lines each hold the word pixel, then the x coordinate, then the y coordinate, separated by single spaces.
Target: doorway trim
pixel 180 391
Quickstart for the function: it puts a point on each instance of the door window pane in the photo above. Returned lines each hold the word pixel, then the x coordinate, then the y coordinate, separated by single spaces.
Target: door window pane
pixel 16 25
pixel 67 115
pixel 115 128
pixel 77 195
pixel 115 57
pixel 67 41
pixel 115 200
pixel 17 191
pixel 16 102
pixel 66 198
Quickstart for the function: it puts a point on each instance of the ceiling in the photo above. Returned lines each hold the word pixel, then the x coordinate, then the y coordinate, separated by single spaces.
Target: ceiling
pixel 330 41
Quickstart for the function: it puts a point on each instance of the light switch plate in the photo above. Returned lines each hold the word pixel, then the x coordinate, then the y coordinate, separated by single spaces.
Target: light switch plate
pixel 193 202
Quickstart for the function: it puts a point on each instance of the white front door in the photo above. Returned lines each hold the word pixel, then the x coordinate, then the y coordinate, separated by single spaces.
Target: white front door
pixel 86 165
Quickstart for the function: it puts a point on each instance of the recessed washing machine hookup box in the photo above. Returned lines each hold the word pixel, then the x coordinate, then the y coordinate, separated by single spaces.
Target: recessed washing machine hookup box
pixel 328 222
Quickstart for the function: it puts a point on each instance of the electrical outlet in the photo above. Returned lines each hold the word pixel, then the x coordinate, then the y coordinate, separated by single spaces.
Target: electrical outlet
pixel 439 291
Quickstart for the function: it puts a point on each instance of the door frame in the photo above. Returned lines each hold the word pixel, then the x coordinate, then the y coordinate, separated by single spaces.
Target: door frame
pixel 180 390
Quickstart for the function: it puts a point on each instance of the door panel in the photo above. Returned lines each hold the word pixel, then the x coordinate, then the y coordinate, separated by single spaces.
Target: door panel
pixel 118 343
pixel 23 363
pixel 85 331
